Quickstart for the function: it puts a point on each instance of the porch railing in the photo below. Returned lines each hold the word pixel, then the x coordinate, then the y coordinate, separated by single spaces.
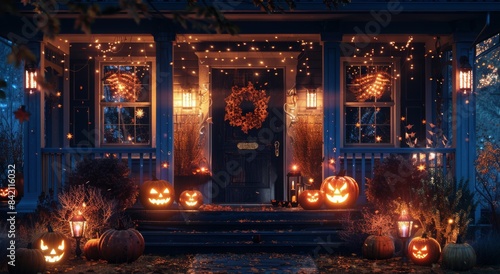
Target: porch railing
pixel 58 162
pixel 360 163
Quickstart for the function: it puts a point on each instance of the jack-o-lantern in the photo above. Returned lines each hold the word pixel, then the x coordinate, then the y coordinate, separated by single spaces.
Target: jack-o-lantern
pixel 311 199
pixel 424 250
pixel 156 194
pixel 340 190
pixel 191 199
pixel 5 192
pixel 53 245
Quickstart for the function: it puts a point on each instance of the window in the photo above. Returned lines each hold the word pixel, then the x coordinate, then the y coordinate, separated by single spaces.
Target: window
pixel 369 103
pixel 125 105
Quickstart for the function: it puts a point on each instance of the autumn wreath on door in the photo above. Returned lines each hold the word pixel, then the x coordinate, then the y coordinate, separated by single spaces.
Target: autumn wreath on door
pixel 234 112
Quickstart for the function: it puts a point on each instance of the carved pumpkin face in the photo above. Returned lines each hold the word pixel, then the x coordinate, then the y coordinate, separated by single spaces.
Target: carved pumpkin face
pixel 156 194
pixel 53 246
pixel 191 199
pixel 311 199
pixel 340 191
pixel 424 250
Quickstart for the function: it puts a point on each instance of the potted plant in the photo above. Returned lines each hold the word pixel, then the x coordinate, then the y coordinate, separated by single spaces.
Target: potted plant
pixel 190 167
pixel 307 144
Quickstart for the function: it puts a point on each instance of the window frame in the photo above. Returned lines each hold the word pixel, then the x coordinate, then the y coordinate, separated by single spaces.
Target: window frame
pixel 99 86
pixel 394 105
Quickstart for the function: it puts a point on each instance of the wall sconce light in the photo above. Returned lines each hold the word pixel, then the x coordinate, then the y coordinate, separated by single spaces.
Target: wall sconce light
pixel 311 101
pixel 188 99
pixel 30 78
pixel 465 75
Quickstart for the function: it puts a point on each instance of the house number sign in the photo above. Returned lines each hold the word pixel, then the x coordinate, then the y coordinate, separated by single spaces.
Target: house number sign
pixel 247 146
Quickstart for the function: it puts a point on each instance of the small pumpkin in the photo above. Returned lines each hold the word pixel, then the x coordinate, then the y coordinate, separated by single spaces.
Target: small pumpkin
pixel 28 261
pixel 5 192
pixel 340 190
pixel 53 245
pixel 459 256
pixel 191 199
pixel 91 249
pixel 311 199
pixel 424 250
pixel 121 245
pixel 378 247
pixel 156 194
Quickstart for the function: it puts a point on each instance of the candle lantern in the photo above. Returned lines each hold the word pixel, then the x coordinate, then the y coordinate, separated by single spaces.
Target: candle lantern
pixel 294 185
pixel 404 225
pixel 77 225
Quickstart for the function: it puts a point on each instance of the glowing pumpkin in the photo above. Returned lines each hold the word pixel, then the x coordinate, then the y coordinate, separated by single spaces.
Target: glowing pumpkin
pixel 156 194
pixel 340 190
pixel 53 246
pixel 5 192
pixel 191 199
pixel 424 250
pixel 459 256
pixel 311 199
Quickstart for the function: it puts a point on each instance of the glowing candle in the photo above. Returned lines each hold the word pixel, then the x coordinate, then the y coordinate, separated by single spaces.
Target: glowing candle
pixel 293 185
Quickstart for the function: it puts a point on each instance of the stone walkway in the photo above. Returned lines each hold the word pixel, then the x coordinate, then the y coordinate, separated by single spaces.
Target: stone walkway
pixel 252 263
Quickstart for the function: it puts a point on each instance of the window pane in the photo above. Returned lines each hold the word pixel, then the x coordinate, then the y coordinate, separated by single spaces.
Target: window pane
pixel 352 135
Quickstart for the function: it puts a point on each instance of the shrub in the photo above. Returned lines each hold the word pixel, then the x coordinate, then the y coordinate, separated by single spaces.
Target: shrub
pixel 431 197
pixel 394 181
pixel 110 176
pixel 487 183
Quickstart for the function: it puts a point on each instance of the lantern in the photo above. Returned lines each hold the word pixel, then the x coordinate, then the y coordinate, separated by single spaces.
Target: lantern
pixel 404 225
pixel 464 75
pixel 311 199
pixel 156 194
pixel 294 183
pixel 30 79
pixel 191 199
pixel 53 245
pixel 77 224
pixel 340 190
pixel 311 102
pixel 424 250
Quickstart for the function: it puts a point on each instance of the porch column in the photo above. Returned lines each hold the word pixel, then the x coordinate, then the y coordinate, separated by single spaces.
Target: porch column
pixel 464 114
pixel 331 102
pixel 164 106
pixel 32 141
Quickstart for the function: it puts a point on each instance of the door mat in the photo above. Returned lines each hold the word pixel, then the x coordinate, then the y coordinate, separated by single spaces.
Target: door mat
pixel 252 263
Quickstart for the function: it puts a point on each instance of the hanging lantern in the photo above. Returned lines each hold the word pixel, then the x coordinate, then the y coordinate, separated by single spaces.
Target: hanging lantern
pixel 311 102
pixel 465 75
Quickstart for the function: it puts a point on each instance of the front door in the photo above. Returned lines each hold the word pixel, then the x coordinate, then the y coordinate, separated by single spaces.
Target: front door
pixel 247 166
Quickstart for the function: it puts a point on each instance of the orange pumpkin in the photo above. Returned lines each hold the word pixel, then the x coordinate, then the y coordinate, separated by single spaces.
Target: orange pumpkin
pixel 340 191
pixel 121 245
pixel 5 192
pixel 156 194
pixel 311 199
pixel 91 249
pixel 191 199
pixel 424 250
pixel 53 246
